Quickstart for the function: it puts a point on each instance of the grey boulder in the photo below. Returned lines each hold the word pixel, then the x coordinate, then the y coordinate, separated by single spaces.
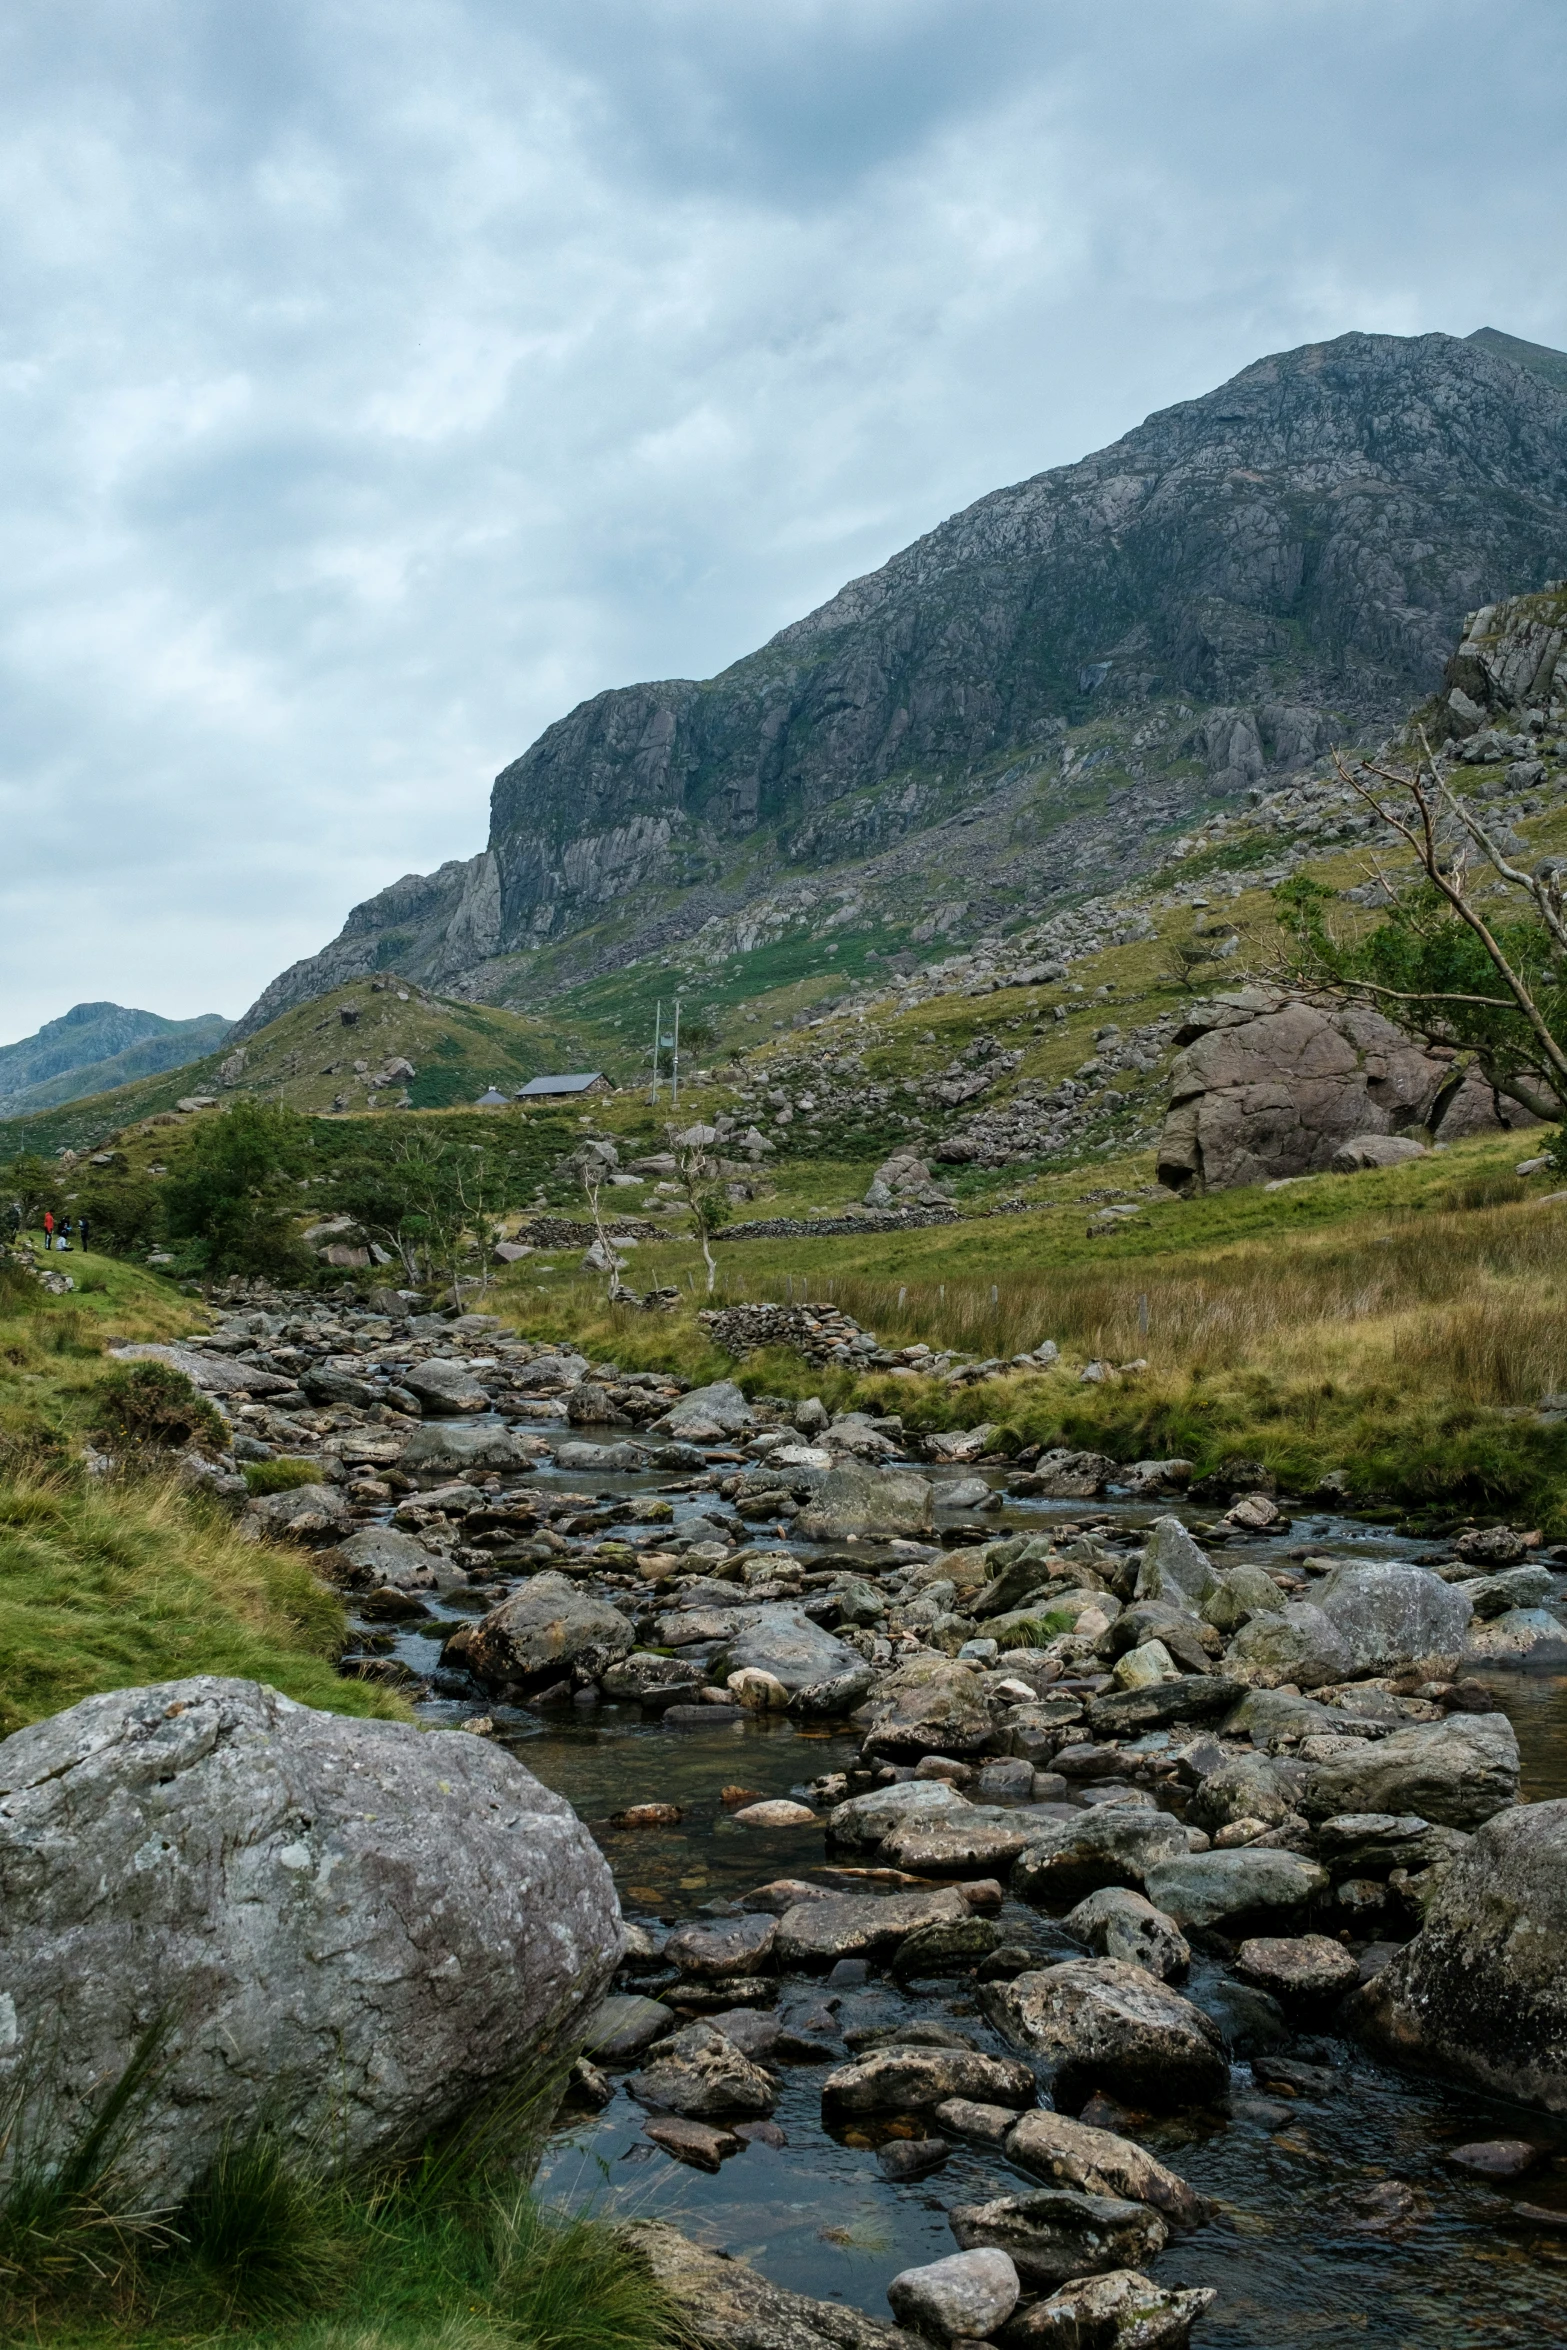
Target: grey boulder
pixel 861 1822
pixel 645 1678
pixel 903 2080
pixel 719 1947
pixel 861 1925
pixel 1298 1643
pixel 726 2305
pixel 1392 1612
pixel 446 1389
pixel 702 2073
pixel 1481 1990
pixel 1109 1846
pixel 1118 1923
pixel 962 2298
pixel 354 1930
pixel 621 2026
pixel 397 1562
pixel 443 1447
pixel 1456 1772
pixel 549 1625
pixel 1057 2233
pixel 305 1513
pixel 1174 1567
pixel 1207 1888
pixel 1100 2024
pixel 1122 2310
pixel 783 1641
pixel 933 1705
pixel 720 1409
pixel 851 1499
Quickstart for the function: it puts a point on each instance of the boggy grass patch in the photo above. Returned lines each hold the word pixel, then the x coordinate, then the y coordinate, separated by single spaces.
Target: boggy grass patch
pixel 112 1584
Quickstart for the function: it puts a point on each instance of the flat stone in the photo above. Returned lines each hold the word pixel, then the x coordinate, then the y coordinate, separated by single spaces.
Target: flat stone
pixel 951 1949
pixel 1192 1697
pixel 775 1812
pixel 734 2308
pixel 1057 2233
pixel 861 1822
pixel 904 2080
pixel 851 1499
pixel 1122 2310
pixel 902 2160
pixel 712 1949
pixel 1496 2158
pixel 1100 2024
pixel 1111 1846
pixel 1067 2153
pixel 1298 1644
pixel 1206 1888
pixel 965 2297
pixel 860 1925
pixel 462 1446
pixel 697 2143
pixel 653 1681
pixel 1457 1772
pixel 622 2025
pixel 1304 1966
pixel 967 2117
pixel 782 1641
pixel 962 1843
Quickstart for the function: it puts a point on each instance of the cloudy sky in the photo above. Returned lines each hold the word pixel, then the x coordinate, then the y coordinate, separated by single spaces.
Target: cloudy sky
pixel 380 377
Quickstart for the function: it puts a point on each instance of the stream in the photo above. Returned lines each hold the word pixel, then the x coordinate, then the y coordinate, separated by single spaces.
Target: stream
pixel 1302 2250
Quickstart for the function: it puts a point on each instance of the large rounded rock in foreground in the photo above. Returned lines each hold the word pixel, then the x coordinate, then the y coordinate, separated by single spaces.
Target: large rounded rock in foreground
pixel 1482 1989
pixel 1101 2024
pixel 353 1929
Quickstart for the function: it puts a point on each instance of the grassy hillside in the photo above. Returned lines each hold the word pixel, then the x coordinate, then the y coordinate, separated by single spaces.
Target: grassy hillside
pixel 108 1586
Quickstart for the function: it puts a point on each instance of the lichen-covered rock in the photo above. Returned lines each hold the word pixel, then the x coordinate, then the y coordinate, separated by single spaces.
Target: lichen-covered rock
pixel 860 1823
pixel 851 1499
pixel 1391 1612
pixel 548 1626
pixel 700 2071
pixel 783 1641
pixel 1057 2232
pixel 964 2297
pixel 1099 2024
pixel 861 1925
pixel 725 2305
pixel 353 1929
pixel 1174 1567
pixel 460 1446
pixel 1112 1846
pixel 1069 2153
pixel 1207 1888
pixel 1481 1990
pixel 720 1409
pixel 931 1706
pixel 1456 1772
pixel 1121 2310
pixel 1298 1644
pixel 446 1389
pixel 902 2080
pixel 1118 1923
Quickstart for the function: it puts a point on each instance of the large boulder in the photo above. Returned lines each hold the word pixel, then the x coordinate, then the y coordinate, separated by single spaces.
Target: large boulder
pixel 906 2079
pixel 700 2072
pixel 933 1705
pixel 1120 2310
pixel 547 1628
pixel 305 1513
pixel 1210 1888
pixel 861 1925
pixel 862 1822
pixel 1101 2024
pixel 1481 1990
pixel 394 1561
pixel 1456 1772
pixel 1298 1643
pixel 1114 1845
pixel 1268 1087
pixel 459 1446
pixel 783 1641
pixel 851 1499
pixel 1391 1612
pixel 1174 1567
pixel 446 1389
pixel 962 2298
pixel 350 1930
pixel 707 1414
pixel 1115 1922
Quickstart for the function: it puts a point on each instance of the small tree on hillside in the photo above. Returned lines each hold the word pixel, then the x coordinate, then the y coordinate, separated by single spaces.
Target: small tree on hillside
pixel 1471 954
pixel 701 1188
pixel 235 1188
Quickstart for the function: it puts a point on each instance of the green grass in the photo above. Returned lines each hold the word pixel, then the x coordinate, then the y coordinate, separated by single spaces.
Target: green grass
pixel 109 1585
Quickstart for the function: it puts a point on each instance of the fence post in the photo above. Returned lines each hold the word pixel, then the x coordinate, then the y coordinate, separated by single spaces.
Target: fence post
pixel 1142 1315
pixel 994 1293
pixel 902 1296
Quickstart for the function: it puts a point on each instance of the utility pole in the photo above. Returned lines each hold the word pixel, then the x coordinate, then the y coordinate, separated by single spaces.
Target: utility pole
pixel 674 1094
pixel 658 1042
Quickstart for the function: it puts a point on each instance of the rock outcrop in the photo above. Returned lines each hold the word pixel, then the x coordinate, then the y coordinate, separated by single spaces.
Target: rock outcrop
pixel 1269 1086
pixel 1260 567
pixel 351 1929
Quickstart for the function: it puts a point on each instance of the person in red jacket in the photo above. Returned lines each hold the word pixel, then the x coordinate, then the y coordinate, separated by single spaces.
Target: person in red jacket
pixel 48 1228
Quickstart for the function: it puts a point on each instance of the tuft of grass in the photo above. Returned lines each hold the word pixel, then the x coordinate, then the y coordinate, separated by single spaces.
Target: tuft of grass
pixel 111 1586
pixel 279 1476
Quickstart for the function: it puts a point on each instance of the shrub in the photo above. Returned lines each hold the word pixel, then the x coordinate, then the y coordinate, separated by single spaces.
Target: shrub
pixel 147 1408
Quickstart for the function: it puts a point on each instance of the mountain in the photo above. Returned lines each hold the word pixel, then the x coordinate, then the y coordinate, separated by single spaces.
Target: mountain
pixel 1023 705
pixel 93 1047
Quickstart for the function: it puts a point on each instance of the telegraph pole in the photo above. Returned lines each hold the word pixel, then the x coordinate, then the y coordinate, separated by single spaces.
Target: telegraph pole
pixel 658 1040
pixel 674 1095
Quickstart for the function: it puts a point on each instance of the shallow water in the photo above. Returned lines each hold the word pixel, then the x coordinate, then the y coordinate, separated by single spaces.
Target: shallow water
pixel 1293 2258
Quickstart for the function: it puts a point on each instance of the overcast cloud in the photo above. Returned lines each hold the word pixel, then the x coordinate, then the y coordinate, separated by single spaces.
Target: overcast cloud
pixel 380 377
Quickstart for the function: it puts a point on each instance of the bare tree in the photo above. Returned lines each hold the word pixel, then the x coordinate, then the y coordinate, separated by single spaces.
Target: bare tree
pixel 701 1188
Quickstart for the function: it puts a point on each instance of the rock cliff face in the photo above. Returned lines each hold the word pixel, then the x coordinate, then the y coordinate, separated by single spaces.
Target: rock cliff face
pixel 1238 583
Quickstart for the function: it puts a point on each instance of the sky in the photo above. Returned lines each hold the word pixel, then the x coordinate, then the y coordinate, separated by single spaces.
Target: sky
pixel 380 378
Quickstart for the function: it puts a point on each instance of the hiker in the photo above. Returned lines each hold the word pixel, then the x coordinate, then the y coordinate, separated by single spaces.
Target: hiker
pixel 48 1228
pixel 62 1233
pixel 81 1234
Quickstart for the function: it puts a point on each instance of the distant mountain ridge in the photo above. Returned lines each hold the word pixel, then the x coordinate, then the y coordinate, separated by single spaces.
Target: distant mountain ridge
pixel 1025 703
pixel 94 1047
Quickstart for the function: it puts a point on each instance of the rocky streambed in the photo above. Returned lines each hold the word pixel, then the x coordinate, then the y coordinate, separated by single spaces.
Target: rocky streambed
pixel 1024 1866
